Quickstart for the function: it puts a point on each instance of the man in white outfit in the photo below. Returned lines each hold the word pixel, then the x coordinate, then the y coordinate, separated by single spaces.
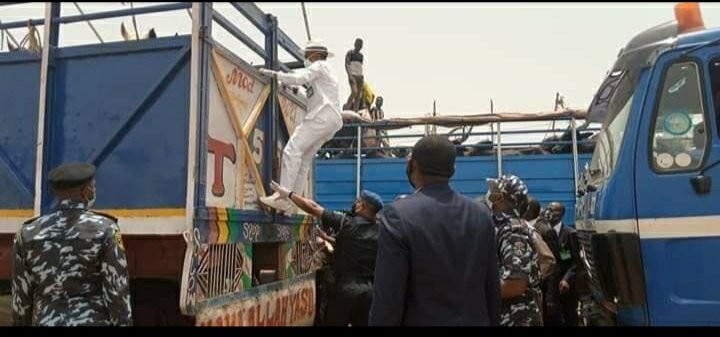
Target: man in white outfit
pixel 320 124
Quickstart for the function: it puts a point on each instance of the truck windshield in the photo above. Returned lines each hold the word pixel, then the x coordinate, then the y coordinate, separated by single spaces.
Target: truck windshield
pixel 611 137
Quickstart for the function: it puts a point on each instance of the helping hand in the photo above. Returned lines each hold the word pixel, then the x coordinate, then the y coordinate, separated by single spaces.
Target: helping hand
pixel 267 72
pixel 564 287
pixel 282 191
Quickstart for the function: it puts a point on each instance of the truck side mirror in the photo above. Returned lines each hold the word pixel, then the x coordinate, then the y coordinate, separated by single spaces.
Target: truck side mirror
pixel 701 184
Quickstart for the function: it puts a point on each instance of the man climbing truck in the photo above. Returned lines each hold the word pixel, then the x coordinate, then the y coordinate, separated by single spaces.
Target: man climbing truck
pixel 647 217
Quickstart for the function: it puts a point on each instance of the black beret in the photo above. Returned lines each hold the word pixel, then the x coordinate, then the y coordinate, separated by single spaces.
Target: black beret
pixel 435 155
pixel 71 175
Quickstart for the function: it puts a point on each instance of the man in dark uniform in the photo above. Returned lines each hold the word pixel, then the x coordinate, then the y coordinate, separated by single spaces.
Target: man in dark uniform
pixel 437 262
pixel 70 266
pixel 563 242
pixel 354 256
pixel 519 266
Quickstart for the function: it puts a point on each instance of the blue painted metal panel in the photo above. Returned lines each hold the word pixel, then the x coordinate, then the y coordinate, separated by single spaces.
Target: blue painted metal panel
pixel 139 97
pixel 549 178
pixel 679 297
pixel 677 269
pixel 19 77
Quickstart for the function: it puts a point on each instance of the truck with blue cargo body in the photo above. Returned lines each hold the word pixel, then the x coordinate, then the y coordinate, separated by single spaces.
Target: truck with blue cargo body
pixel 186 135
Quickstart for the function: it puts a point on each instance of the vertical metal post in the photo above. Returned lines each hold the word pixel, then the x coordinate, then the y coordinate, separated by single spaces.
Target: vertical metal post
pixel 573 127
pixel 358 162
pixel 498 150
pixel 492 129
pixel 197 130
pixel 271 107
pixel 50 41
pixel 307 24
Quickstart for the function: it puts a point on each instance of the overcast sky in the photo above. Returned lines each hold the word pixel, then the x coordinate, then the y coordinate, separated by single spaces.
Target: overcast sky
pixel 461 54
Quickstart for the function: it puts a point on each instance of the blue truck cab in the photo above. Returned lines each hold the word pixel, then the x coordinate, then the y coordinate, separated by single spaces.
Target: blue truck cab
pixel 647 214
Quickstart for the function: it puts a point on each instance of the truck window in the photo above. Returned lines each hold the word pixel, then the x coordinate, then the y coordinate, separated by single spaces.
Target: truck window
pixel 679 136
pixel 610 138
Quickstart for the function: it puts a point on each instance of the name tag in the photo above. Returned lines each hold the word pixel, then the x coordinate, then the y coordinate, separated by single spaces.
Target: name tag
pixel 565 255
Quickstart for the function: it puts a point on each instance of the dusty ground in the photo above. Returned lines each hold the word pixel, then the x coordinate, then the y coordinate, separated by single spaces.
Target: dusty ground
pixel 5 310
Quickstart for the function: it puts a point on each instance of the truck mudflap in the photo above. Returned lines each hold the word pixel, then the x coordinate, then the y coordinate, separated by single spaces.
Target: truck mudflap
pixel 615 283
pixel 289 302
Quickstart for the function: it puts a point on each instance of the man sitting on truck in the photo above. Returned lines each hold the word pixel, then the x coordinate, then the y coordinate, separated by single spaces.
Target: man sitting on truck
pixel 320 124
pixel 355 253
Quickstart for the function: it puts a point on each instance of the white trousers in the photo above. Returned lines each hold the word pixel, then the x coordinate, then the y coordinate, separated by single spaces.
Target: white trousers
pixel 304 143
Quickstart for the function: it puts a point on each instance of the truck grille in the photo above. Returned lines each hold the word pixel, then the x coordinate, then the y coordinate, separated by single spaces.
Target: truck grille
pixel 589 262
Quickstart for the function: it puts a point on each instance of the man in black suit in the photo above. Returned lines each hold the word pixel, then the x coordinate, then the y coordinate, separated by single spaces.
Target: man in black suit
pixel 437 256
pixel 562 240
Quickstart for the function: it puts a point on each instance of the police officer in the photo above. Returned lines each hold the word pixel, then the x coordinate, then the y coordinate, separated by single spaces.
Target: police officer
pixel 437 261
pixel 355 253
pixel 70 266
pixel 519 267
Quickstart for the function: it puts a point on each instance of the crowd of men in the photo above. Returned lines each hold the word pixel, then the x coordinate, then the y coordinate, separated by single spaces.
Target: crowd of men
pixel 443 259
pixel 433 257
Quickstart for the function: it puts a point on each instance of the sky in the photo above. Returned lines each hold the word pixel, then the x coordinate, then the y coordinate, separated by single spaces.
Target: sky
pixel 459 54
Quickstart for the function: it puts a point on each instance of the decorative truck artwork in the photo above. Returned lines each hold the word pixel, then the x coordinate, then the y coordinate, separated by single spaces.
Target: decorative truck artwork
pixel 287 303
pixel 234 163
pixel 232 233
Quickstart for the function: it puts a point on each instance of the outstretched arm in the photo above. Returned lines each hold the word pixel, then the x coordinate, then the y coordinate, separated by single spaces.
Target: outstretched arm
pixel 298 77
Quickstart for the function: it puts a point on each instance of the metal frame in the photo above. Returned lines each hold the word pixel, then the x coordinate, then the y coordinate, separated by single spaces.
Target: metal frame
pixel 271 106
pixel 99 15
pixel 51 36
pixel 496 133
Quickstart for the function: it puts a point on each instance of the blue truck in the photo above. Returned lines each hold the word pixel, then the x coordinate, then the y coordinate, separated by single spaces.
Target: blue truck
pixel 647 213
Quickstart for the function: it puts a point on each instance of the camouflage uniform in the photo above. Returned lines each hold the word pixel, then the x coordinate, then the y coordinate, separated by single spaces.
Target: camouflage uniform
pixel 70 269
pixel 518 260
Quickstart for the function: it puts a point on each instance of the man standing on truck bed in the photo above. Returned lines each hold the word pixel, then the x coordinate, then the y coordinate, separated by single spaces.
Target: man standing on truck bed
pixel 70 266
pixel 519 266
pixel 437 260
pixel 320 124
pixel 355 253
pixel 354 60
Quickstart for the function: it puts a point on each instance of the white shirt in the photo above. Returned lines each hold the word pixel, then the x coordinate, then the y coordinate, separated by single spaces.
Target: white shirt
pixel 532 222
pixel 321 86
pixel 557 228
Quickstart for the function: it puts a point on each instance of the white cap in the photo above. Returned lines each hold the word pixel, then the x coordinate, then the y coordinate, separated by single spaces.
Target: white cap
pixel 318 45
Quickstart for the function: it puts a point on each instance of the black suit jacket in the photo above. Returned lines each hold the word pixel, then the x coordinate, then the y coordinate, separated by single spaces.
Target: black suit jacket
pixel 437 262
pixel 565 249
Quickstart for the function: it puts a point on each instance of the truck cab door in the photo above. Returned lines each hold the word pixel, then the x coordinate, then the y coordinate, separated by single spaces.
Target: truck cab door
pixel 679 228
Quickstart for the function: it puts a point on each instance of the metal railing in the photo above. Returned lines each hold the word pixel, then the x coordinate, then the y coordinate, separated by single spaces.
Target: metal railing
pixel 500 148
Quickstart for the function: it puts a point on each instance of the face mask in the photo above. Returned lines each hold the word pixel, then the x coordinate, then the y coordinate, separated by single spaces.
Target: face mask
pixel 354 209
pixel 408 172
pixel 307 63
pixel 91 202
